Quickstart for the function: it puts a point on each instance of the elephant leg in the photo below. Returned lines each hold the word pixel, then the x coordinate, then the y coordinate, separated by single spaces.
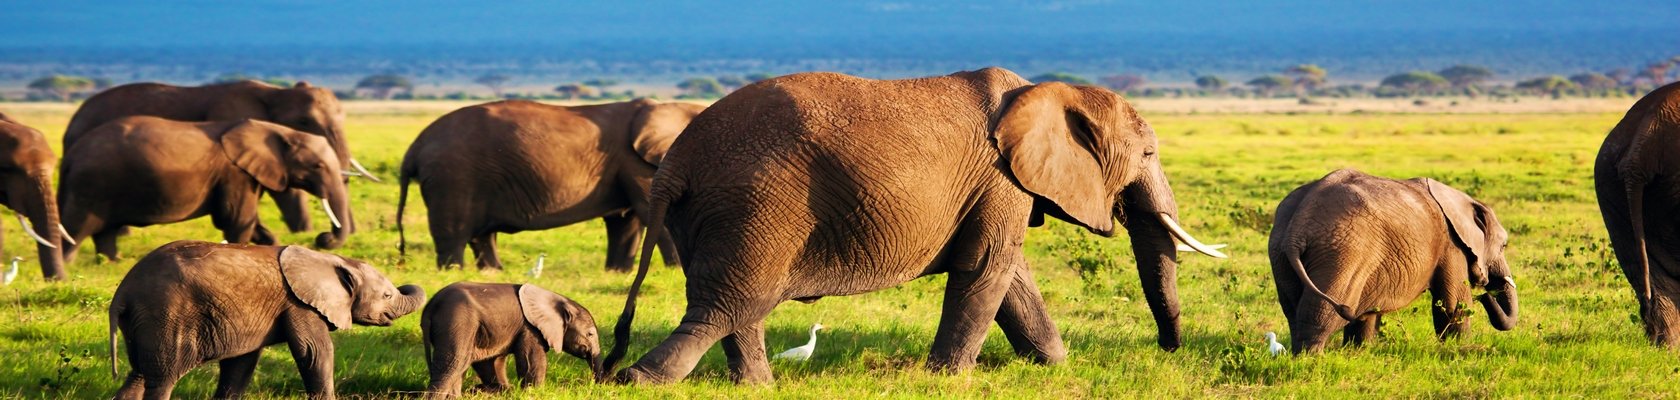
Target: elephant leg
pixel 236 374
pixel 972 300
pixel 81 224
pixel 451 245
pixel 710 317
pixel 447 365
pixel 484 248
pixel 1026 323
pixel 262 236
pixel 161 387
pixel 530 360
pixel 668 250
pixel 623 235
pixel 1314 321
pixel 1449 300
pixel 105 243
pixel 133 388
pixel 748 362
pixel 492 374
pixel 312 349
pixel 294 209
pixel 1357 332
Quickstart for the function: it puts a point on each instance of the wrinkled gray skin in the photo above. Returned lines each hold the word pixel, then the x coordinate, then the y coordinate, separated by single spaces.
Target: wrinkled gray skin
pixel 190 302
pixel 26 186
pixel 512 166
pixel 141 171
pixel 823 184
pixel 303 107
pixel 481 324
pixel 1637 194
pixel 1351 247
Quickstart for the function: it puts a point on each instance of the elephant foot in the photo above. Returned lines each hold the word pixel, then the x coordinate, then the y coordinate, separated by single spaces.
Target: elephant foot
pixel 488 388
pixel 636 375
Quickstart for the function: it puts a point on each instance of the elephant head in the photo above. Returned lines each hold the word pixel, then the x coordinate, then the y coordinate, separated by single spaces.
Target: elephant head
pixel 26 178
pixel 315 110
pixel 1477 232
pixel 657 125
pixel 564 325
pixel 280 158
pixel 1088 159
pixel 345 291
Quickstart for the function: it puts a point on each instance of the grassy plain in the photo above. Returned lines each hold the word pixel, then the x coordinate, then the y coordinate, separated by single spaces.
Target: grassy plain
pixel 1578 334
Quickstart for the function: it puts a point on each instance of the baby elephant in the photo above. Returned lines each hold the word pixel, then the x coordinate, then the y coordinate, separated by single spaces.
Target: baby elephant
pixel 189 302
pixel 482 323
pixel 1374 245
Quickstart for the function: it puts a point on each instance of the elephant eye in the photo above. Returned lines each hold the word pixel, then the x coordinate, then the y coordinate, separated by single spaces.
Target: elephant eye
pixel 388 295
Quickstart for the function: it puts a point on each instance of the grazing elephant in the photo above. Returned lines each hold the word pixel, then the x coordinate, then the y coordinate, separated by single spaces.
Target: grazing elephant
pixel 191 302
pixel 141 171
pixel 26 186
pixel 1374 245
pixel 823 184
pixel 1637 194
pixel 513 166
pixel 480 324
pixel 302 107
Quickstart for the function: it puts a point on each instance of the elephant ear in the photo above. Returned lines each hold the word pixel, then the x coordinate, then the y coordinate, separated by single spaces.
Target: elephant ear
pixel 321 281
pixel 547 312
pixel 657 125
pixel 1047 139
pixel 255 147
pixel 1465 223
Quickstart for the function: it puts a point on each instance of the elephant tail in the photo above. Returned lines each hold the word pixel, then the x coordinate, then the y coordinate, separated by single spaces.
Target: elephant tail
pixel 1634 181
pixel 402 201
pixel 1294 257
pixel 650 238
pixel 111 336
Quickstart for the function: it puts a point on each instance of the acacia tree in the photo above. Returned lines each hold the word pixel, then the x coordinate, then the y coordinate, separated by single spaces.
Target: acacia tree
pixel 1554 85
pixel 701 87
pixel 758 76
pixel 1308 77
pixel 384 85
pixel 1211 83
pixel 1269 84
pixel 1123 83
pixel 1594 82
pixel 1465 76
pixel 62 87
pixel 1416 82
pixel 493 81
pixel 1060 77
pixel 572 91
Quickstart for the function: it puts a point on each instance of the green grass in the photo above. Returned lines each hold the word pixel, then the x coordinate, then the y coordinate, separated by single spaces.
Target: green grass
pixel 1578 334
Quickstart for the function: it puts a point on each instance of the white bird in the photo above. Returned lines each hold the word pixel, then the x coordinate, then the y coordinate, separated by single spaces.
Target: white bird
pixel 802 353
pixel 536 271
pixel 1273 345
pixel 11 273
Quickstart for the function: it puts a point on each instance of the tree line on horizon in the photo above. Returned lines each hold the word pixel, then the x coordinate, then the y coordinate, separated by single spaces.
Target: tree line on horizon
pixel 1304 81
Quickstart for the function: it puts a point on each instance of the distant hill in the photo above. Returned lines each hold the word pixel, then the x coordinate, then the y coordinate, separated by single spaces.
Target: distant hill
pixel 440 41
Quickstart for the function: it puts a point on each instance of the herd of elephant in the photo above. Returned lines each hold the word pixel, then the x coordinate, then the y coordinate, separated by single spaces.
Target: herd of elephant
pixel 793 188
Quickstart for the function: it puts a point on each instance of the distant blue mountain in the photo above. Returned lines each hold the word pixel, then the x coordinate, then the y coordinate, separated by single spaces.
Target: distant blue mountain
pixel 1166 40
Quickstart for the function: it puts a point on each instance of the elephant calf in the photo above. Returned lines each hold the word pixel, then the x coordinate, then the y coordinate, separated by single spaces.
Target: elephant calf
pixel 1374 244
pixel 190 302
pixel 482 323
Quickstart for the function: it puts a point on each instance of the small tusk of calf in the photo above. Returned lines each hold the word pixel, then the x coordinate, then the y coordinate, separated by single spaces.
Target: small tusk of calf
pixel 66 235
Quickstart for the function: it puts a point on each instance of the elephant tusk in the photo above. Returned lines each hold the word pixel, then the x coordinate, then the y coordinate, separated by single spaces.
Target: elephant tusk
pixel 1512 282
pixel 31 231
pixel 1182 236
pixel 330 215
pixel 350 173
pixel 1183 247
pixel 363 170
pixel 66 235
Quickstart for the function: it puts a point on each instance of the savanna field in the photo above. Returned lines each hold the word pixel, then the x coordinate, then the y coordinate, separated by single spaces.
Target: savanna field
pixel 1578 334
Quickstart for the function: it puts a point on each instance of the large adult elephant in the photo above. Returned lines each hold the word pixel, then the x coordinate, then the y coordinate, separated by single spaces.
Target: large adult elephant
pixel 26 186
pixel 823 184
pixel 1638 195
pixel 302 107
pixel 140 171
pixel 513 166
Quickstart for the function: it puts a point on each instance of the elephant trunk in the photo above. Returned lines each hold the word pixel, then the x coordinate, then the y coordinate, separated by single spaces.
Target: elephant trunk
pixel 335 199
pixel 1157 254
pixel 33 199
pixel 412 298
pixel 598 368
pixel 1500 302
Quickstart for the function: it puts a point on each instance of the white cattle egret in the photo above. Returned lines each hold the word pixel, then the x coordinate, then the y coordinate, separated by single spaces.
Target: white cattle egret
pixel 1272 344
pixel 802 353
pixel 536 271
pixel 11 273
